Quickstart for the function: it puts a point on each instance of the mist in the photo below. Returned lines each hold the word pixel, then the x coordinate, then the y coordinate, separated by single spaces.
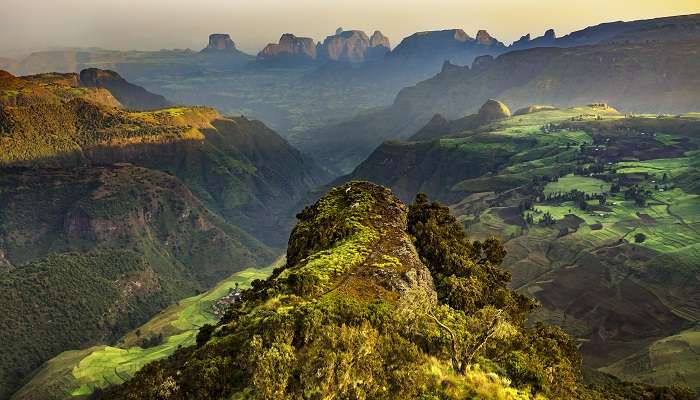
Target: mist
pixel 137 25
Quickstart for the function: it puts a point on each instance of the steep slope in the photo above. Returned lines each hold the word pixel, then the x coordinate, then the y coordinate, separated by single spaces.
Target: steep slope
pixel 597 213
pixel 49 88
pixel 110 247
pixel 359 311
pixel 239 167
pixel 81 372
pixel 644 77
pixel 129 95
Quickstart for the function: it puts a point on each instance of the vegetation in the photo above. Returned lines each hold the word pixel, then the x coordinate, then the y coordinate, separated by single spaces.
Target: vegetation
pixel 111 247
pixel 571 193
pixel 81 372
pixel 375 330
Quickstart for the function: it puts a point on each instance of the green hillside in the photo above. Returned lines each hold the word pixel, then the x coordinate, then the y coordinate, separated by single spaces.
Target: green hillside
pixel 133 209
pixel 373 295
pixel 111 247
pixel 80 372
pixel 577 195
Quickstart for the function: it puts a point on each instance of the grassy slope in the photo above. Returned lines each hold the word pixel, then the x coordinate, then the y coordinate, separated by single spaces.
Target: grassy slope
pixel 78 372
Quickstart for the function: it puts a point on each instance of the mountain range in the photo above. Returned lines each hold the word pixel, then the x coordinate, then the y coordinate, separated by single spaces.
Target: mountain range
pixel 138 208
pixel 473 219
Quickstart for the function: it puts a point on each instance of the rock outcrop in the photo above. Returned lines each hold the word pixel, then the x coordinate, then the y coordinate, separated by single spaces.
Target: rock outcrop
pixel 129 95
pixel 219 42
pixel 289 49
pixel 347 46
pixel 493 110
pixel 452 44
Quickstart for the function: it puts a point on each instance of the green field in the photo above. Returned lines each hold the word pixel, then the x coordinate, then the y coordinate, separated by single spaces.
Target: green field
pixel 79 372
pixel 584 184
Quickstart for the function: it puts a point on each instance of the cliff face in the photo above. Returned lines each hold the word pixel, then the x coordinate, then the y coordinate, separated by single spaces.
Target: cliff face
pixel 289 49
pixel 219 42
pixel 635 77
pixel 129 95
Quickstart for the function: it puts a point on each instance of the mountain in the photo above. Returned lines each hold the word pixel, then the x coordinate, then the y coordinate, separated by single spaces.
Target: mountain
pixel 129 95
pixel 290 49
pixel 353 46
pixel 597 213
pixel 138 210
pixel 431 49
pixel 373 295
pixel 239 167
pixel 220 42
pixel 638 77
pixel 666 29
pixel 110 247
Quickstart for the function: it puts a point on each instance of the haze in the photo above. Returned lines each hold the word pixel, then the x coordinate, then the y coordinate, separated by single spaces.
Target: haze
pixel 132 24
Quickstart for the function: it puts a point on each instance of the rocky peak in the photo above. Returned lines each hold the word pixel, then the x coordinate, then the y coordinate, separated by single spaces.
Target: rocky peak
pixel 549 34
pixel 483 37
pixel 347 46
pixel 493 110
pixel 5 75
pixel 289 46
pixel 339 30
pixel 378 39
pixel 220 42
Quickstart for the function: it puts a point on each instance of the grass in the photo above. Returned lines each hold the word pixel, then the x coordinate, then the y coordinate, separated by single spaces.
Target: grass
pixel 79 372
pixel 584 184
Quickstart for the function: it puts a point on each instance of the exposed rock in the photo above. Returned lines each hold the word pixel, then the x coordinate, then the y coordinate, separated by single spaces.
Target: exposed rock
pixel 482 62
pixel 5 75
pixel 339 30
pixel 493 110
pixel 378 39
pixel 289 48
pixel 348 46
pixel 483 37
pixel 129 95
pixel 219 42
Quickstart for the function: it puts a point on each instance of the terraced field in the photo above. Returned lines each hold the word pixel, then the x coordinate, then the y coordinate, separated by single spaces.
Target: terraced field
pixel 80 372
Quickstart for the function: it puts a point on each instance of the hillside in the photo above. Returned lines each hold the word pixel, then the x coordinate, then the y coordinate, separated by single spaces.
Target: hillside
pixel 138 210
pixel 643 77
pixel 359 310
pixel 238 167
pixel 578 195
pixel 111 247
pixel 80 372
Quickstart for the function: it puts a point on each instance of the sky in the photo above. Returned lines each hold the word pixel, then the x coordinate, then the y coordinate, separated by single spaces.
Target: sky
pixel 154 24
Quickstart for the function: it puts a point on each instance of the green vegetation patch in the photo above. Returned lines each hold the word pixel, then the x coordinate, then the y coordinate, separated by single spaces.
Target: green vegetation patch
pixel 583 184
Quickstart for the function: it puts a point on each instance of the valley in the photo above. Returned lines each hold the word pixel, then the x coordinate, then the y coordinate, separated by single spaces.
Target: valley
pixel 451 217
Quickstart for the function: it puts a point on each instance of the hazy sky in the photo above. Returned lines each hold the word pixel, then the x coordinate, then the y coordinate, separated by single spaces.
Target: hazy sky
pixel 155 24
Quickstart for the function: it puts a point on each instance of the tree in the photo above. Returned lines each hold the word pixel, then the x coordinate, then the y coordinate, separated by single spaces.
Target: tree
pixel 640 238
